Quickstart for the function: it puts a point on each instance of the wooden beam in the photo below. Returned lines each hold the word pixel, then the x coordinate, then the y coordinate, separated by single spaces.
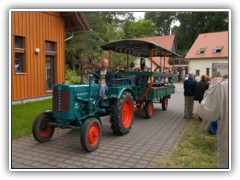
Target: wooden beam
pixel 78 16
pixel 72 28
pixel 67 14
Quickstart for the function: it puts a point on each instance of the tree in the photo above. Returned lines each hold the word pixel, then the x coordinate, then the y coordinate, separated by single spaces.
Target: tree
pixel 142 28
pixel 106 27
pixel 194 23
pixel 162 20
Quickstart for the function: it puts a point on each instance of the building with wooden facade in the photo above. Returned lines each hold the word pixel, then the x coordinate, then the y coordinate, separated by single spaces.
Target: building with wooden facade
pixel 38 50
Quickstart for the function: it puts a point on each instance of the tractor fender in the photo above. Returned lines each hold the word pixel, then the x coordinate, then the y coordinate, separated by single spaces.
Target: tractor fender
pixel 126 89
pixel 94 116
pixel 49 112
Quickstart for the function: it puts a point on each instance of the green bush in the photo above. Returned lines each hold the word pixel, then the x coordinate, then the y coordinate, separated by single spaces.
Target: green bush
pixel 71 77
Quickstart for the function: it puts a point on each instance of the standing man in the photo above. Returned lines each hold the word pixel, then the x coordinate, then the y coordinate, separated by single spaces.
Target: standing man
pixel 215 106
pixel 103 77
pixel 189 92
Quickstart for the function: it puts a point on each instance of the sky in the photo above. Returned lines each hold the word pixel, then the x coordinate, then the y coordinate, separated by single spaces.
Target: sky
pixel 138 15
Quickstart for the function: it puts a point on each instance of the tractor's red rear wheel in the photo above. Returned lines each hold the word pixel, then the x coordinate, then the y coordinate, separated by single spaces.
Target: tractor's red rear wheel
pixel 127 113
pixel 91 134
pixel 41 130
pixel 122 114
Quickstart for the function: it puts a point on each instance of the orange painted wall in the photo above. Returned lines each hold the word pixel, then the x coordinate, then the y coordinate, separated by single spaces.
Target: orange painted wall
pixel 36 27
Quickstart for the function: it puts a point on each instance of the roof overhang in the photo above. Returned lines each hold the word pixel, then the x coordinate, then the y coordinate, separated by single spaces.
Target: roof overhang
pixel 206 58
pixel 138 48
pixel 75 21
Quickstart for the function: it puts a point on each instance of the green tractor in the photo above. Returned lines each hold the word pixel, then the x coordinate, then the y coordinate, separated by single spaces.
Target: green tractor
pixel 80 107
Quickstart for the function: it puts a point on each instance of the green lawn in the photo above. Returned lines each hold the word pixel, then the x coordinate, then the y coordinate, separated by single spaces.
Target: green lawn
pixel 23 116
pixel 194 150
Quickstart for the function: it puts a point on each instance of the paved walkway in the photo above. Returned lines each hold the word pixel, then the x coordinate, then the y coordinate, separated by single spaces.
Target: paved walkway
pixel 148 143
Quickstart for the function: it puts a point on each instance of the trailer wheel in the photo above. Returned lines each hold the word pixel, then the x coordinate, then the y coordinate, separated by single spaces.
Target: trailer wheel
pixel 148 109
pixel 164 103
pixel 90 135
pixel 40 130
pixel 122 114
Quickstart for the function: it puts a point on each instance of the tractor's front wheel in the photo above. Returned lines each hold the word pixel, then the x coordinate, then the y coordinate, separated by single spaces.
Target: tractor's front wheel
pixel 91 134
pixel 41 131
pixel 122 114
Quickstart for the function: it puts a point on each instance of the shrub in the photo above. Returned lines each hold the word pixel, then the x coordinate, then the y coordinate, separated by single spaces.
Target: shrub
pixel 71 77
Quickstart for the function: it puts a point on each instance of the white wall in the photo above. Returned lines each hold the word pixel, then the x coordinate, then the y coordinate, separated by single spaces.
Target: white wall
pixel 203 64
pixel 147 63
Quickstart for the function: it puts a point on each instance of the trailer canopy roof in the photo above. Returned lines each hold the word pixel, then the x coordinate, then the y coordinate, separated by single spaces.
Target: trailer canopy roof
pixel 138 48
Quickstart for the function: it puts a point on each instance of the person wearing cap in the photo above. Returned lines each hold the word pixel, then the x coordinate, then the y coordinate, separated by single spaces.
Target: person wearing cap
pixel 189 92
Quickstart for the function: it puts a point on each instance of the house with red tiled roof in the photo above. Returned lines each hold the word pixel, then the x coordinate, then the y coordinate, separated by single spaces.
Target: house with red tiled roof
pixel 167 42
pixel 209 54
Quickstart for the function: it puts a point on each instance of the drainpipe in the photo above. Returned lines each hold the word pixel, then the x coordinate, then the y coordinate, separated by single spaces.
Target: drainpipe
pixel 70 37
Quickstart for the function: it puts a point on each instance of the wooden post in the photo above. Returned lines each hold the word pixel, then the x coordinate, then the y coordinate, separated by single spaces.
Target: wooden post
pixel 164 60
pixel 160 63
pixel 81 70
pixel 110 59
pixel 151 77
pixel 151 59
pixel 127 60
pixel 173 60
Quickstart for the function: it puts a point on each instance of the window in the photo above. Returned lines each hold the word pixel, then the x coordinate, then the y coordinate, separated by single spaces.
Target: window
pixel 207 71
pixel 19 62
pixel 49 72
pixel 201 50
pixel 50 46
pixel 19 51
pixel 217 49
pixel 19 42
pixel 197 72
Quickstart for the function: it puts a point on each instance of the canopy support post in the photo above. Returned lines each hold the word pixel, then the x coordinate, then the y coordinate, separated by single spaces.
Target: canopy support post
pixel 151 77
pixel 164 60
pixel 110 59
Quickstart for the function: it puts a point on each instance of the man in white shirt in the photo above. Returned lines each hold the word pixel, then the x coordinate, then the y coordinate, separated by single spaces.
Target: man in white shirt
pixel 103 77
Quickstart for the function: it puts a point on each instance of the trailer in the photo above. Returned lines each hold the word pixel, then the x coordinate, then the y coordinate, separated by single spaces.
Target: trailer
pixel 144 93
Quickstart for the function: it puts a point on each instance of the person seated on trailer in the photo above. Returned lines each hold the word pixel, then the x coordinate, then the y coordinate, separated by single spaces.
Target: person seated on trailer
pixel 132 77
pixel 117 69
pixel 122 69
pixel 157 79
pixel 165 79
pixel 145 79
pixel 131 68
pixel 103 77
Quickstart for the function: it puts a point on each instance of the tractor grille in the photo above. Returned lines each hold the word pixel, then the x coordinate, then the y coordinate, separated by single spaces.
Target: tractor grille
pixel 61 101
